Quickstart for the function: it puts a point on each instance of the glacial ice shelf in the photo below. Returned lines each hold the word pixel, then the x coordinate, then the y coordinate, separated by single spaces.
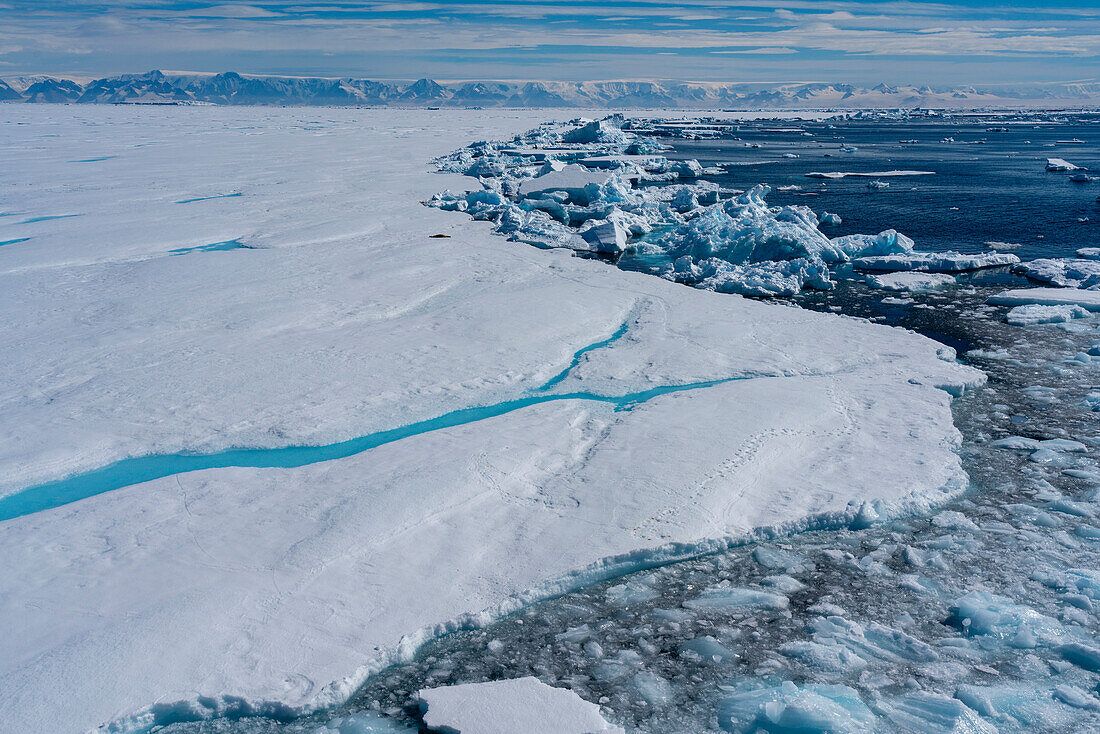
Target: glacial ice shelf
pixel 241 590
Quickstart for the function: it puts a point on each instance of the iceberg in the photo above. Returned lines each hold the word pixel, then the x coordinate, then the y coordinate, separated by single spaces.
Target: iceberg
pixel 1059 164
pixel 510 706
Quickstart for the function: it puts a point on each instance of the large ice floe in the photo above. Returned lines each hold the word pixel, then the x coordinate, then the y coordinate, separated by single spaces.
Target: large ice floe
pixel 240 480
pixel 575 189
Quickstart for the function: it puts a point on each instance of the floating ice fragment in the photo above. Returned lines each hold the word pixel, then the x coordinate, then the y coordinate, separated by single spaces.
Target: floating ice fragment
pixel 982 613
pixel 1060 164
pixel 1063 272
pixel 1075 697
pixel 930 712
pixel 1033 314
pixel 830 220
pixel 1088 299
pixel 732 597
pixel 936 262
pixel 781 559
pixel 509 706
pixel 788 709
pixel 707 648
pixel 1081 655
pixel 913 282
pixel 632 592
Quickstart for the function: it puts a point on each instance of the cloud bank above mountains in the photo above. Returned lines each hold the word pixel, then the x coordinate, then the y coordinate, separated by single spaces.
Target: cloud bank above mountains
pixel 905 41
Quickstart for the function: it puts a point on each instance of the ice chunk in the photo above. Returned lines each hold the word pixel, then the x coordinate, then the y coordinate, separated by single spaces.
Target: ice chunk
pixel 826 658
pixel 1075 697
pixel 572 179
pixel 1081 655
pixel 508 706
pixel 1062 272
pixel 733 597
pixel 982 613
pixel 1089 253
pixel 788 709
pixel 606 130
pixel 936 262
pixel 830 220
pixel 652 688
pixel 781 559
pixel 1033 314
pixel 1017 443
pixel 609 237
pixel 914 282
pixel 632 592
pixel 707 648
pixel 1049 297
pixel 930 712
pixel 872 642
pixel 1060 164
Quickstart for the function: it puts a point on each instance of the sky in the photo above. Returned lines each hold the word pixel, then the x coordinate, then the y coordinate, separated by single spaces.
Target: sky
pixel 951 42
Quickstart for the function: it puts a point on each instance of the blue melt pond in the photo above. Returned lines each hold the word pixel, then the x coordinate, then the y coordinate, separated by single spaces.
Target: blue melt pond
pixel 208 198
pixel 32 220
pixel 12 242
pixel 214 247
pixel 94 160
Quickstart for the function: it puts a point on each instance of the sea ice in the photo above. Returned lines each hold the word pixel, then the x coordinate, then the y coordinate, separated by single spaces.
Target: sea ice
pixel 1087 299
pixel 279 587
pixel 1032 314
pixel 1063 272
pixel 936 262
pixel 912 281
pixel 510 706
pixel 790 709
pixel 1060 164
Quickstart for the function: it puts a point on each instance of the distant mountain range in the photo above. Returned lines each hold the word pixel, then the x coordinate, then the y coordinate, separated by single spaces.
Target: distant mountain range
pixel 230 88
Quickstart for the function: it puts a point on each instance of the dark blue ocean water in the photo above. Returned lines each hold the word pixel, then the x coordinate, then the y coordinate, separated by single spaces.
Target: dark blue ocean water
pixel 987 185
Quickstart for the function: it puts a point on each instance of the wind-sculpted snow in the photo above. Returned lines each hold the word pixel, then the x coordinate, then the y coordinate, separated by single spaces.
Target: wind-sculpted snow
pixel 243 590
pixel 577 188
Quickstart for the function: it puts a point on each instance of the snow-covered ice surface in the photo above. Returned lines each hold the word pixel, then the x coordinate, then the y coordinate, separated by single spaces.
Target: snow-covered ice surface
pixel 510 706
pixel 981 617
pixel 527 422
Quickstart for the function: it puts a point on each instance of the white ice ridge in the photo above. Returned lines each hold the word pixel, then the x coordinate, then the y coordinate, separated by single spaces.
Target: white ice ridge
pixel 278 589
pixel 524 705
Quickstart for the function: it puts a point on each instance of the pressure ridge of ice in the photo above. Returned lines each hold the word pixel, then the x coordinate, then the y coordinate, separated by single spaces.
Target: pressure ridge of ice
pixel 576 188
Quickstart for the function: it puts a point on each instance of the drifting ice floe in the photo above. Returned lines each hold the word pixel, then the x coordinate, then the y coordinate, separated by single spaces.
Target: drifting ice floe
pixel 1059 164
pixel 509 707
pixel 1036 314
pixel 912 281
pixel 868 174
pixel 1063 272
pixel 1087 299
pixel 935 262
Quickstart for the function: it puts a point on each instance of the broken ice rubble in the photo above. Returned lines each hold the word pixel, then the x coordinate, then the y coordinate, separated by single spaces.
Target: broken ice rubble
pixel 578 189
